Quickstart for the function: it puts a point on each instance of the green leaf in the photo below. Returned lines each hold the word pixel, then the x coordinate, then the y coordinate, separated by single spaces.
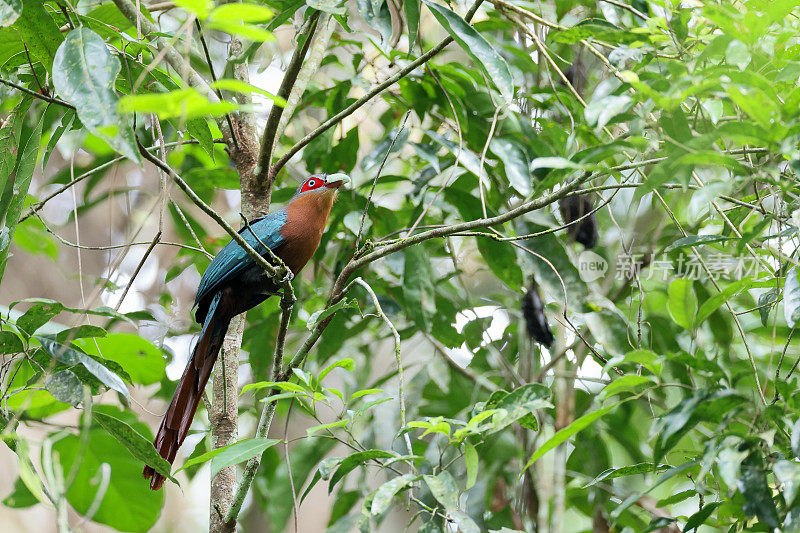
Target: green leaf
pixel 128 503
pixel 625 384
pixel 515 162
pixel 713 303
pixel 386 493
pixel 502 261
pixel 346 363
pixel 17 178
pixel 757 494
pixel 563 434
pixel 10 343
pixel 201 8
pixel 319 316
pixel 766 302
pixel 600 112
pixel 84 72
pixel 364 392
pixel 471 461
pixel 476 45
pixel 338 424
pixel 248 31
pixel 10 10
pixel 38 315
pixel 240 452
pixel 788 474
pixel 239 86
pixel 704 405
pixel 65 387
pixel 699 518
pixel 20 497
pixel 682 303
pixel 334 7
pixel 286 386
pixel 411 8
pixel 140 446
pixel 509 407
pixel 69 356
pixel 631 470
pixel 418 287
pixel 791 298
pixel 143 361
pixel 186 104
pixel 553 162
pixel 241 13
pixel 443 487
pixel 64 125
pixel 39 32
pixel 376 14
pixel 795 439
pixel 232 454
pixel 646 358
pixel 27 473
pixel 351 462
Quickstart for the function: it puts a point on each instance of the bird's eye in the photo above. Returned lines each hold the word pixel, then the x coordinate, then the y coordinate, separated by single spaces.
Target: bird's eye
pixel 311 183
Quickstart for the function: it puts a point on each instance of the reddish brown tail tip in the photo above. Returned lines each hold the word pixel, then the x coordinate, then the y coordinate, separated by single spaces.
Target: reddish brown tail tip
pixel 156 479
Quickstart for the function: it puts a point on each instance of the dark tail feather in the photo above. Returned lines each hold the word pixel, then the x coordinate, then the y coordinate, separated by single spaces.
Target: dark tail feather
pixel 175 426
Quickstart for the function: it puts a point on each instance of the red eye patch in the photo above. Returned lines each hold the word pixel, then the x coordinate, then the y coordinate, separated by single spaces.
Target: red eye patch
pixel 311 184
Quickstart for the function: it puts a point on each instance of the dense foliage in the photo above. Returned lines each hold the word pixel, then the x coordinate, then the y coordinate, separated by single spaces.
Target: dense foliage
pixel 667 399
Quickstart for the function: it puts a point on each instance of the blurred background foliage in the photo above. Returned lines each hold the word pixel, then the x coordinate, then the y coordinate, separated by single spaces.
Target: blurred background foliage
pixel 667 400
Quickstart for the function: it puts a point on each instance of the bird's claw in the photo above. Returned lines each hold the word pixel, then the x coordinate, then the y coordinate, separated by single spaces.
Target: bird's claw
pixel 287 278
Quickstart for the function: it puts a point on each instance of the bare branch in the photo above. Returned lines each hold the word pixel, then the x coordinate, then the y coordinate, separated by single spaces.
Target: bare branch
pixel 292 70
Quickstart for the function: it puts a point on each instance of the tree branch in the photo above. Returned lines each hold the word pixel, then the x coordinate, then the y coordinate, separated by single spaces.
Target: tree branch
pixel 40 96
pixel 275 271
pixel 262 173
pixel 340 286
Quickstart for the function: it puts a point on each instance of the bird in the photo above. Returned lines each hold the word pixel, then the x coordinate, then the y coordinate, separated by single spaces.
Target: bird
pixel 234 283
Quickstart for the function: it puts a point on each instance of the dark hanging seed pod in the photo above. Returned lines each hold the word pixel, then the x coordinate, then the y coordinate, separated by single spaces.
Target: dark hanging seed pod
pixel 574 207
pixel 535 319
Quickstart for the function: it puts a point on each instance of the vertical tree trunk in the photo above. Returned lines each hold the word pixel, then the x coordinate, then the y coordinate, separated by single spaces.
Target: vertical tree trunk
pixel 223 414
pixel 224 422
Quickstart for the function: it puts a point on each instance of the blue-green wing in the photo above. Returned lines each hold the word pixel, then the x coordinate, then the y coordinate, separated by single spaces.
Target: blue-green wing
pixel 233 259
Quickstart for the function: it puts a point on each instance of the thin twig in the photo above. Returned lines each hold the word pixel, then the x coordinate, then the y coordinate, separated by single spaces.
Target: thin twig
pixel 398 358
pixel 377 176
pixel 214 79
pixel 46 98
pixel 150 248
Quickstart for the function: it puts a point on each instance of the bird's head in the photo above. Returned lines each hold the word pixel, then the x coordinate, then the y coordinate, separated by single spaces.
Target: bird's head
pixel 320 189
pixel 324 184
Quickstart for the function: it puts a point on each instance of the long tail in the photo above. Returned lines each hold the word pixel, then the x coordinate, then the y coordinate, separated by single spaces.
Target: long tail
pixel 178 419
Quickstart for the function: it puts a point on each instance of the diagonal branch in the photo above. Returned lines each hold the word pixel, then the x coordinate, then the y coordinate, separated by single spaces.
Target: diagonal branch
pixel 278 270
pixel 40 96
pixel 271 129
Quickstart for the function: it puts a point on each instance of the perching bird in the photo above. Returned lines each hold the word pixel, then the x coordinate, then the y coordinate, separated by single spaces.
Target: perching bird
pixel 535 319
pixel 580 207
pixel 234 283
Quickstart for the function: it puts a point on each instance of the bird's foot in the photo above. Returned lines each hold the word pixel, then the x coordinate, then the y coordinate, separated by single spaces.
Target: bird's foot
pixel 287 278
